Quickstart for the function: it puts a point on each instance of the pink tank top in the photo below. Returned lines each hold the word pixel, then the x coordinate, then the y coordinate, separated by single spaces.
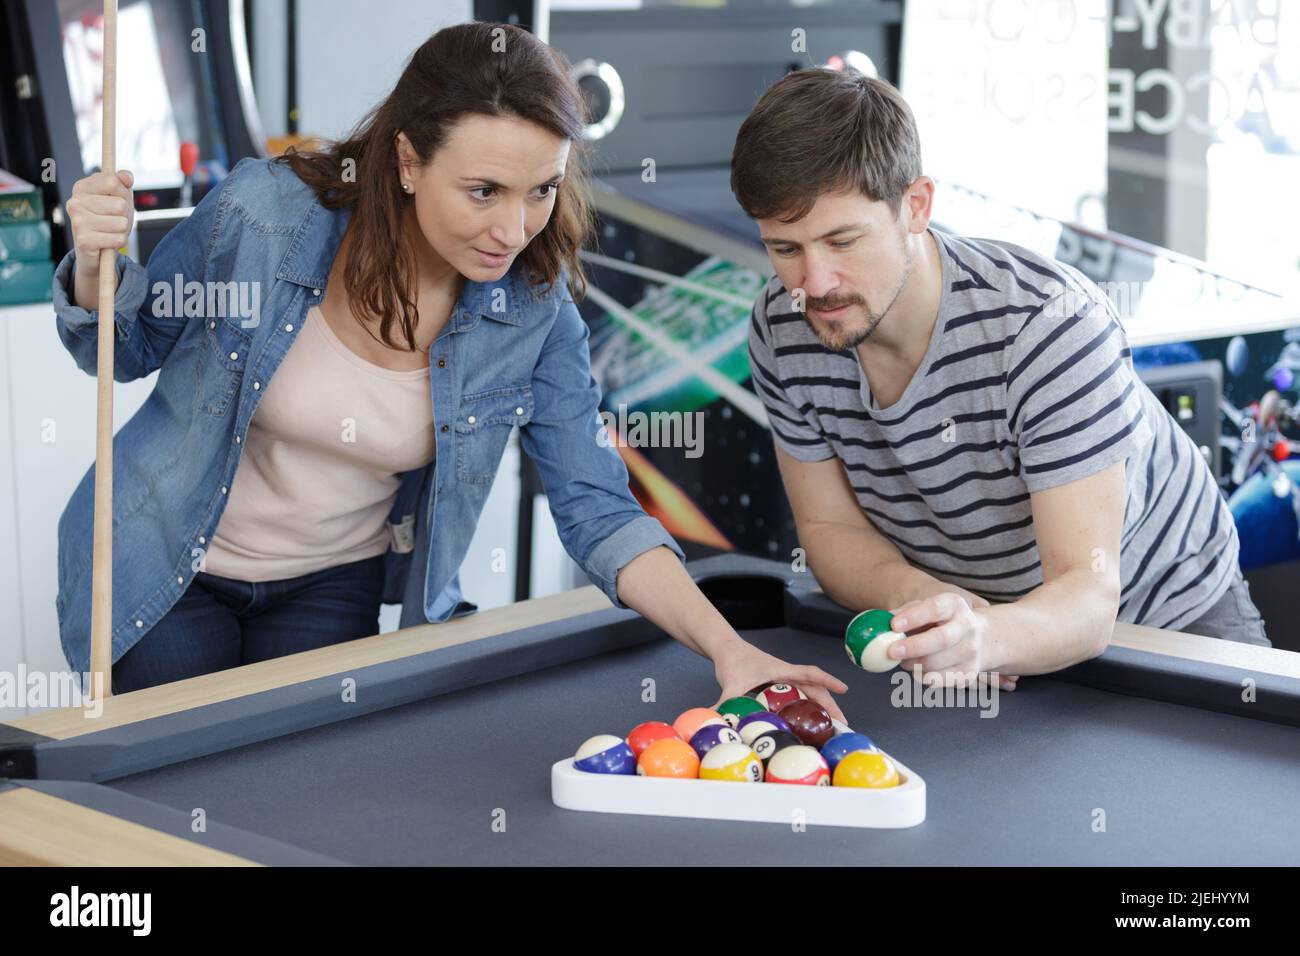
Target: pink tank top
pixel 321 462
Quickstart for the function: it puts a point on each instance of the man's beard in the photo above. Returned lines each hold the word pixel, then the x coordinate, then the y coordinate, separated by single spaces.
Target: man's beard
pixel 841 340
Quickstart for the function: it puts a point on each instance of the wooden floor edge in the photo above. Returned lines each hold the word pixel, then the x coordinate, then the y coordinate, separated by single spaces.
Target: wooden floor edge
pixel 38 829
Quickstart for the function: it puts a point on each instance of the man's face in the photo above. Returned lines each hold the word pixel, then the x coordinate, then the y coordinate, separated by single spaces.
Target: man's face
pixel 487 192
pixel 851 257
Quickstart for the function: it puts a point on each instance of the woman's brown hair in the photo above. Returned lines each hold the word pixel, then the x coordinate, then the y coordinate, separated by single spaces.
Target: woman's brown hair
pixel 493 69
pixel 817 131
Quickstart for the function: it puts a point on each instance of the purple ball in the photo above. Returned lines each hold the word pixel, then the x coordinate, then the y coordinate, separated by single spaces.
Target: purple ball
pixel 710 735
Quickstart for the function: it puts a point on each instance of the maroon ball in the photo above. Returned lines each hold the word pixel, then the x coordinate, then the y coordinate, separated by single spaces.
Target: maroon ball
pixel 809 721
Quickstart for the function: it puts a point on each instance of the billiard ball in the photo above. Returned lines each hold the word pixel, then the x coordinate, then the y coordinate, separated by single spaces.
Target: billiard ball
pixel 773 742
pixel 803 765
pixel 643 735
pixel 776 696
pixel 809 721
pixel 868 638
pixel 693 719
pixel 710 736
pixel 734 709
pixel 756 724
pixel 866 768
pixel 835 749
pixel 669 757
pixel 605 753
pixel 732 761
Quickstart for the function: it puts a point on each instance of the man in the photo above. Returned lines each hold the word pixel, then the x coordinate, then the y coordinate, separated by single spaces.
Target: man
pixel 957 421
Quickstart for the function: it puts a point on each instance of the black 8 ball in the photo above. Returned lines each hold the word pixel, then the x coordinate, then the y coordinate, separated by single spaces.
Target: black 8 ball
pixel 766 745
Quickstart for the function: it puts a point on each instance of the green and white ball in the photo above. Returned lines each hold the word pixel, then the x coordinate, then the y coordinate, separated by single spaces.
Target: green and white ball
pixel 869 637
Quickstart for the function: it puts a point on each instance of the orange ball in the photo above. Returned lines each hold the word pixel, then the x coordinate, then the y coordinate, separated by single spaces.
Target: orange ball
pixel 669 758
pixel 695 718
pixel 643 735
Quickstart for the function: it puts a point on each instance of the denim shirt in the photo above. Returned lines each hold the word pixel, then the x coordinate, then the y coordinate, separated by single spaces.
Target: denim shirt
pixel 509 356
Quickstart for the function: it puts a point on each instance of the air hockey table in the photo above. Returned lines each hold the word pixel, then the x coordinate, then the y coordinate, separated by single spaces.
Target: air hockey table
pixel 434 745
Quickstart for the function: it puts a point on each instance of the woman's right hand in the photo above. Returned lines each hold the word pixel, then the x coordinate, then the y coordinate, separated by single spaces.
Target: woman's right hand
pixel 101 213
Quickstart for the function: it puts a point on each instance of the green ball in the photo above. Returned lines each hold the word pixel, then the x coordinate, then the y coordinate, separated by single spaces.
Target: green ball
pixel 734 708
pixel 867 640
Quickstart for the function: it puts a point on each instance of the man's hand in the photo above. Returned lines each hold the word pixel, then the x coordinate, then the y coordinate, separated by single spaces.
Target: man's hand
pixel 934 587
pixel 947 640
pixel 741 666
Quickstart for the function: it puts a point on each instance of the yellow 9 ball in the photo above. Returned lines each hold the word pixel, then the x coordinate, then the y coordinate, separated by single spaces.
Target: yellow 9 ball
pixel 732 761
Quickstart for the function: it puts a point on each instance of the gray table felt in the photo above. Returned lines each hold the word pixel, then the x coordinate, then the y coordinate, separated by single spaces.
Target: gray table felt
pixel 464 777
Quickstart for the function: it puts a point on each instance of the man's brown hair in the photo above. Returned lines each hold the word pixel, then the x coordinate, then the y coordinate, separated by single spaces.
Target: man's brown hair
pixel 817 131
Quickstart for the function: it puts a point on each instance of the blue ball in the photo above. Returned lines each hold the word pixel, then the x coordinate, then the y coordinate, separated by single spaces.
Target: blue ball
pixel 617 758
pixel 841 745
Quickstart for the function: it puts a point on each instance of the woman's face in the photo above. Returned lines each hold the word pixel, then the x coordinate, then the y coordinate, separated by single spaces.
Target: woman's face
pixel 484 195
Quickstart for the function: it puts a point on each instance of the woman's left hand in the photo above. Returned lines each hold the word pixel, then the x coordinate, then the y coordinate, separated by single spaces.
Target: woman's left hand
pixel 741 667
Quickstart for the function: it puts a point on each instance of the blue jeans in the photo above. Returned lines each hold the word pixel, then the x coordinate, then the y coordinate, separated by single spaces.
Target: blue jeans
pixel 219 622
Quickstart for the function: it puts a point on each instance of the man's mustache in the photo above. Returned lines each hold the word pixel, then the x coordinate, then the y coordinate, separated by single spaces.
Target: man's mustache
pixel 827 305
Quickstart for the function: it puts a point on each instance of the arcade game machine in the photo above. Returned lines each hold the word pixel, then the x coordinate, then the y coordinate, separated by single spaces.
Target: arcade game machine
pixel 192 117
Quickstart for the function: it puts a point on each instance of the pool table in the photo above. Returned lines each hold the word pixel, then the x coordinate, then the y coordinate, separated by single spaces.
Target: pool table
pixel 434 744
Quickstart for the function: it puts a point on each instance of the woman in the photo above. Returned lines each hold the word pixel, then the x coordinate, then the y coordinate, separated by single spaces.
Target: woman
pixel 289 473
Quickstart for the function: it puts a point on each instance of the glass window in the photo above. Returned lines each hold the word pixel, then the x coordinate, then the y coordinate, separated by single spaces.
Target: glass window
pixel 1175 122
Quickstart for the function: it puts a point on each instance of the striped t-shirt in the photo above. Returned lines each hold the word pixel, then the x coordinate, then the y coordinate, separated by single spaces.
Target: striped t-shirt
pixel 1027 384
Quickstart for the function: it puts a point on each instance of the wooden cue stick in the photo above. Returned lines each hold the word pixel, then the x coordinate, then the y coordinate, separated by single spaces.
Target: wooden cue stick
pixel 101 614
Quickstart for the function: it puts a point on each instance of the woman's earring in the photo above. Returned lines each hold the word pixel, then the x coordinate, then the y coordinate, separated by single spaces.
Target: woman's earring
pixel 406 187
